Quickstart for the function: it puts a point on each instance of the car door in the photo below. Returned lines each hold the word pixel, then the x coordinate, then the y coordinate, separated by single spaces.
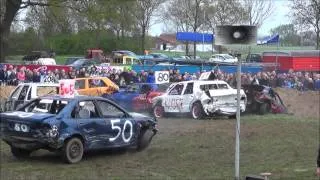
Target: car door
pixel 188 97
pixel 91 124
pixel 10 103
pixel 22 97
pixel 121 129
pixel 174 100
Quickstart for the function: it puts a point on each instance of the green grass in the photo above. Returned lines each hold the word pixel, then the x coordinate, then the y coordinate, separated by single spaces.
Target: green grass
pixel 188 149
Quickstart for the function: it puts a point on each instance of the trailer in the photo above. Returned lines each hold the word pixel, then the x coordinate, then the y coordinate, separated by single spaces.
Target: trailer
pixel 298 60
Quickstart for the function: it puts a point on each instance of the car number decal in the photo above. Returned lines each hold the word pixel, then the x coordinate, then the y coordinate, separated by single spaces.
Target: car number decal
pixel 114 126
pixel 173 103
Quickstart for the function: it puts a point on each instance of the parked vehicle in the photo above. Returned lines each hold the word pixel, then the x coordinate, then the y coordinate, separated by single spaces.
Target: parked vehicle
pixel 95 86
pixel 263 99
pixel 160 56
pixel 199 98
pixel 73 126
pixel 254 58
pixel 28 91
pixel 83 63
pixel 223 58
pixel 297 60
pixel 71 60
pixel 120 53
pixel 138 97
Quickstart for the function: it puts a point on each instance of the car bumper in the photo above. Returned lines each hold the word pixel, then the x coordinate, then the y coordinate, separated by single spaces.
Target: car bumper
pixel 30 143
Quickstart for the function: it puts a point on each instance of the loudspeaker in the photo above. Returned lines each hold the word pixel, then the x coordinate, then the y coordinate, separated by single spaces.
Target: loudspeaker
pixel 235 35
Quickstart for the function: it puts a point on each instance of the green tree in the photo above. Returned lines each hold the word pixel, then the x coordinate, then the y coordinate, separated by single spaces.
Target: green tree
pixel 306 13
pixel 288 35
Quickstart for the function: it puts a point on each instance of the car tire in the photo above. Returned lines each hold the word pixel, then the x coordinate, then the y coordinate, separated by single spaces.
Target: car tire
pixel 264 108
pixel 197 111
pixel 72 150
pixel 158 111
pixel 144 139
pixel 20 153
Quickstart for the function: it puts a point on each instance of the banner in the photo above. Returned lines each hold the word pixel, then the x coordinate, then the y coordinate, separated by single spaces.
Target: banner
pixel 66 88
pixel 162 77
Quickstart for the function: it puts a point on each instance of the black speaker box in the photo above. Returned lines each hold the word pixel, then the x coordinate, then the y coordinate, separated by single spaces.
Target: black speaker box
pixel 242 34
pixel 253 177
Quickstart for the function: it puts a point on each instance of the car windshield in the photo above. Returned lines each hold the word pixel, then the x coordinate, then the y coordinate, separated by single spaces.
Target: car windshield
pixel 45 106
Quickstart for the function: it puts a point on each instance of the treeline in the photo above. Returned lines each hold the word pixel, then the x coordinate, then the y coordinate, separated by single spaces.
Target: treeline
pixel 21 43
pixel 69 26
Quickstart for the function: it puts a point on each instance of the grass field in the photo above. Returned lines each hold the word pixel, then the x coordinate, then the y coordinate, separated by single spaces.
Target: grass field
pixel 188 149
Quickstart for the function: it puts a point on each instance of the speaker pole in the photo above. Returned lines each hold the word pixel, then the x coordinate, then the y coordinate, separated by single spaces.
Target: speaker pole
pixel 237 151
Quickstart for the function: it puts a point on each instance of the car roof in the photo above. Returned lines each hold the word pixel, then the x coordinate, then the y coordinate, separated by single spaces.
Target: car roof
pixel 93 77
pixel 40 84
pixel 77 97
pixel 203 81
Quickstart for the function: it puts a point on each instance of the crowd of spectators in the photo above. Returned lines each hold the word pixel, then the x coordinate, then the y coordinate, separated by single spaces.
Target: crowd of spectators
pixel 10 75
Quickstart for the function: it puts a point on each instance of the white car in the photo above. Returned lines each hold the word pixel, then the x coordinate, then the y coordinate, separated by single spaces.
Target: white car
pixel 199 98
pixel 223 58
pixel 28 91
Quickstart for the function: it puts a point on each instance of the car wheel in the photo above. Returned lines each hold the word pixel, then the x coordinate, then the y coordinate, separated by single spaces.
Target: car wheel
pixel 264 108
pixel 20 153
pixel 144 139
pixel 158 111
pixel 72 151
pixel 197 111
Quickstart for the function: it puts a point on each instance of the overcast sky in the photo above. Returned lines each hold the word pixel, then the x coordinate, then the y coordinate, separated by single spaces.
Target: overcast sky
pixel 279 17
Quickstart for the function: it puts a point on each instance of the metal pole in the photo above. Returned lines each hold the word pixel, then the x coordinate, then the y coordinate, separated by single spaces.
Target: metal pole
pixel 237 153
pixel 204 17
pixel 277 55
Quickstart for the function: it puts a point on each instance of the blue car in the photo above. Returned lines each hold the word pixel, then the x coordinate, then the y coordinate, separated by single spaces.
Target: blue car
pixel 73 126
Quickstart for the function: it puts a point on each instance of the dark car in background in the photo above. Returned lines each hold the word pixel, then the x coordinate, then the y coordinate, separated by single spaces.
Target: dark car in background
pixel 71 60
pixel 83 63
pixel 73 126
pixel 138 97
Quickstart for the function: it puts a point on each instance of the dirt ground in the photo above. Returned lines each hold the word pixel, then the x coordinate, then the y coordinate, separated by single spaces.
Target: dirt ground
pixel 301 104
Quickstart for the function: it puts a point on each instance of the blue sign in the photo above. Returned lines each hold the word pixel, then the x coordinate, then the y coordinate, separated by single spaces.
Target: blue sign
pixel 194 37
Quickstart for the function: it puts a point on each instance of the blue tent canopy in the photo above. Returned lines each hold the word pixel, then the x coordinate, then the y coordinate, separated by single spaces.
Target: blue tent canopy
pixel 269 40
pixel 194 37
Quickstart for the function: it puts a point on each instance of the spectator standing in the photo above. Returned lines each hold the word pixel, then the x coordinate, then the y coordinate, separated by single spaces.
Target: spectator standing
pixel 317 82
pixel 29 76
pixel 36 76
pixel 151 78
pixel 21 75
pixel 71 73
pixel 3 75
